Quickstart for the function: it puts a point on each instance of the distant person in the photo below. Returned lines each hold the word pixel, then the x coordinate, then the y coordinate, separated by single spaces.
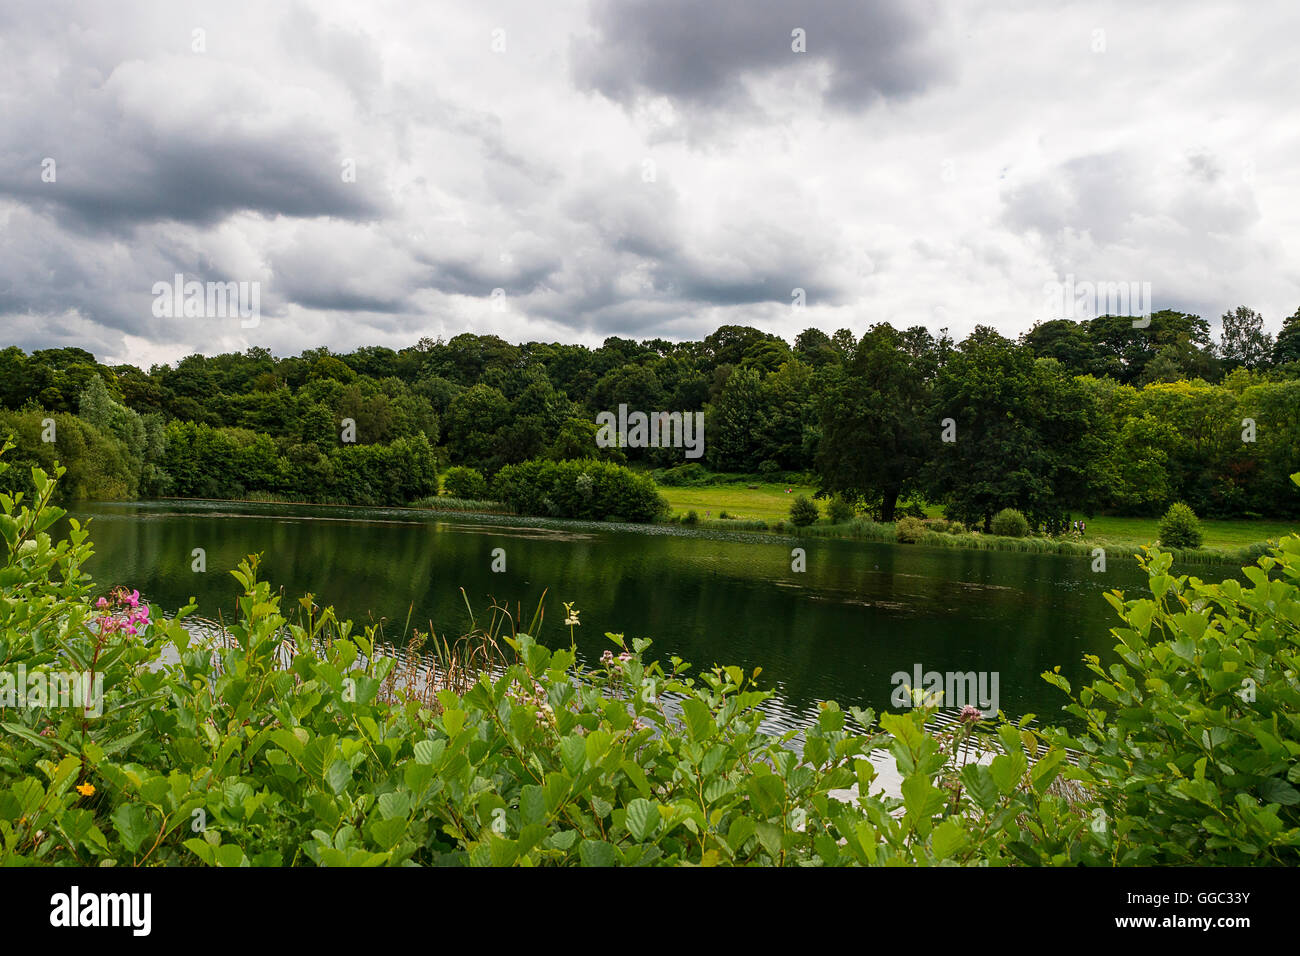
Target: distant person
pixel 1082 527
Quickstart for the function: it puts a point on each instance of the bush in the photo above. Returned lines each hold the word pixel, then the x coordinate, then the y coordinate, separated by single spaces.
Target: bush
pixel 588 489
pixel 803 511
pixel 462 482
pixel 691 517
pixel 909 530
pixel 1010 523
pixel 768 468
pixel 1180 528
pixel 690 474
pixel 1192 734
pixel 944 526
pixel 840 511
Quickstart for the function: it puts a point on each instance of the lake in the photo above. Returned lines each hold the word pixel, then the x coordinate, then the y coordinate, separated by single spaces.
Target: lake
pixel 839 630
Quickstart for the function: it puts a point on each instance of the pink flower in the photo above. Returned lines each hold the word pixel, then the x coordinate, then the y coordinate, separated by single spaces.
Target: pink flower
pixel 101 603
pixel 970 715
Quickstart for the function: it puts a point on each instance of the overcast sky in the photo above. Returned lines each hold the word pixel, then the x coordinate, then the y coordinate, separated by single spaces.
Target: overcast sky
pixel 641 168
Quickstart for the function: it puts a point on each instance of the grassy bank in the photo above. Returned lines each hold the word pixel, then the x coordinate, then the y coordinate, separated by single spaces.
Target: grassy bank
pixel 749 508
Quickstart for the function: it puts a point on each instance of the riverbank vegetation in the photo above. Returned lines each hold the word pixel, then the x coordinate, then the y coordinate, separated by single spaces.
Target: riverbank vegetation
pixel 1093 418
pixel 290 740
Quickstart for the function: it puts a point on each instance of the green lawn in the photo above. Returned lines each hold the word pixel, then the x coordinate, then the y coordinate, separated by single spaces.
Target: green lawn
pixel 767 502
pixel 1217 534
pixel 770 502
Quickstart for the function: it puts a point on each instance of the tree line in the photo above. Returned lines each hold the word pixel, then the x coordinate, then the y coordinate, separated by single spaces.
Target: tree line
pixel 1106 414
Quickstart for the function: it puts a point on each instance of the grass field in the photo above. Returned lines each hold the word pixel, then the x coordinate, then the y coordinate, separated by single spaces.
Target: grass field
pixel 769 502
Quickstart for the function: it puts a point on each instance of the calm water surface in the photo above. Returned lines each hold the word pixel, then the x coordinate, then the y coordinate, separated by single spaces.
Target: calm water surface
pixel 860 613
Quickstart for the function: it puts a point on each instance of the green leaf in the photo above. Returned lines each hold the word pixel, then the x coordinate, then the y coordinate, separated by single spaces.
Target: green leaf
pixel 642 818
pixel 387 832
pixel 131 821
pixel 768 792
pixel 769 836
pixel 573 754
pixel 948 837
pixel 1274 790
pixel 597 853
pixel 231 854
pixel 532 804
pixel 980 785
pixel 396 804
pixel 338 776
pixel 1046 769
pixel 699 722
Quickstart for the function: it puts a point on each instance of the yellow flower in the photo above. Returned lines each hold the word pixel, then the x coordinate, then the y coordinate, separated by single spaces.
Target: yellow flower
pixel 85 789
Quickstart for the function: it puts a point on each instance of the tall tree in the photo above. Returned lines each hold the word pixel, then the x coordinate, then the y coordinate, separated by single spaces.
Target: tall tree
pixel 873 424
pixel 1008 432
pixel 1243 342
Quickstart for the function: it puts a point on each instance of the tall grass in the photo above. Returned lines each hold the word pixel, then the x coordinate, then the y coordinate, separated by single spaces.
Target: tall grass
pixel 863 529
pixel 448 503
pixel 731 524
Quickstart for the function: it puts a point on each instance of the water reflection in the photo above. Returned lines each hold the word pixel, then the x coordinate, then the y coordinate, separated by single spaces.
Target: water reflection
pixel 859 613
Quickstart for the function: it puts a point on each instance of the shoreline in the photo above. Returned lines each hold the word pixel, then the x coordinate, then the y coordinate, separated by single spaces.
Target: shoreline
pixel 857 530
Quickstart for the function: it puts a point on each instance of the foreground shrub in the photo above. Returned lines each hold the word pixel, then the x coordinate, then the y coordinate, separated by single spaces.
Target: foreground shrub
pixel 588 489
pixel 1194 737
pixel 1009 523
pixel 803 511
pixel 909 530
pixel 1180 528
pixel 462 482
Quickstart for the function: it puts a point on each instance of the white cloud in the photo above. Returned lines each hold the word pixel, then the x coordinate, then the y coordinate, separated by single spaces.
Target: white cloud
pixel 995 149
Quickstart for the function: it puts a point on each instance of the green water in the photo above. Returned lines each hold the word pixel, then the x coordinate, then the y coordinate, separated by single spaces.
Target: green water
pixel 839 630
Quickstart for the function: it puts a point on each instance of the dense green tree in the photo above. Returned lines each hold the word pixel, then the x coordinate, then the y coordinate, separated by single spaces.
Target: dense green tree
pixel 475 428
pixel 874 424
pixel 1243 341
pixel 1066 341
pixel 1123 349
pixel 1287 347
pixel 734 424
pixel 1019 430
